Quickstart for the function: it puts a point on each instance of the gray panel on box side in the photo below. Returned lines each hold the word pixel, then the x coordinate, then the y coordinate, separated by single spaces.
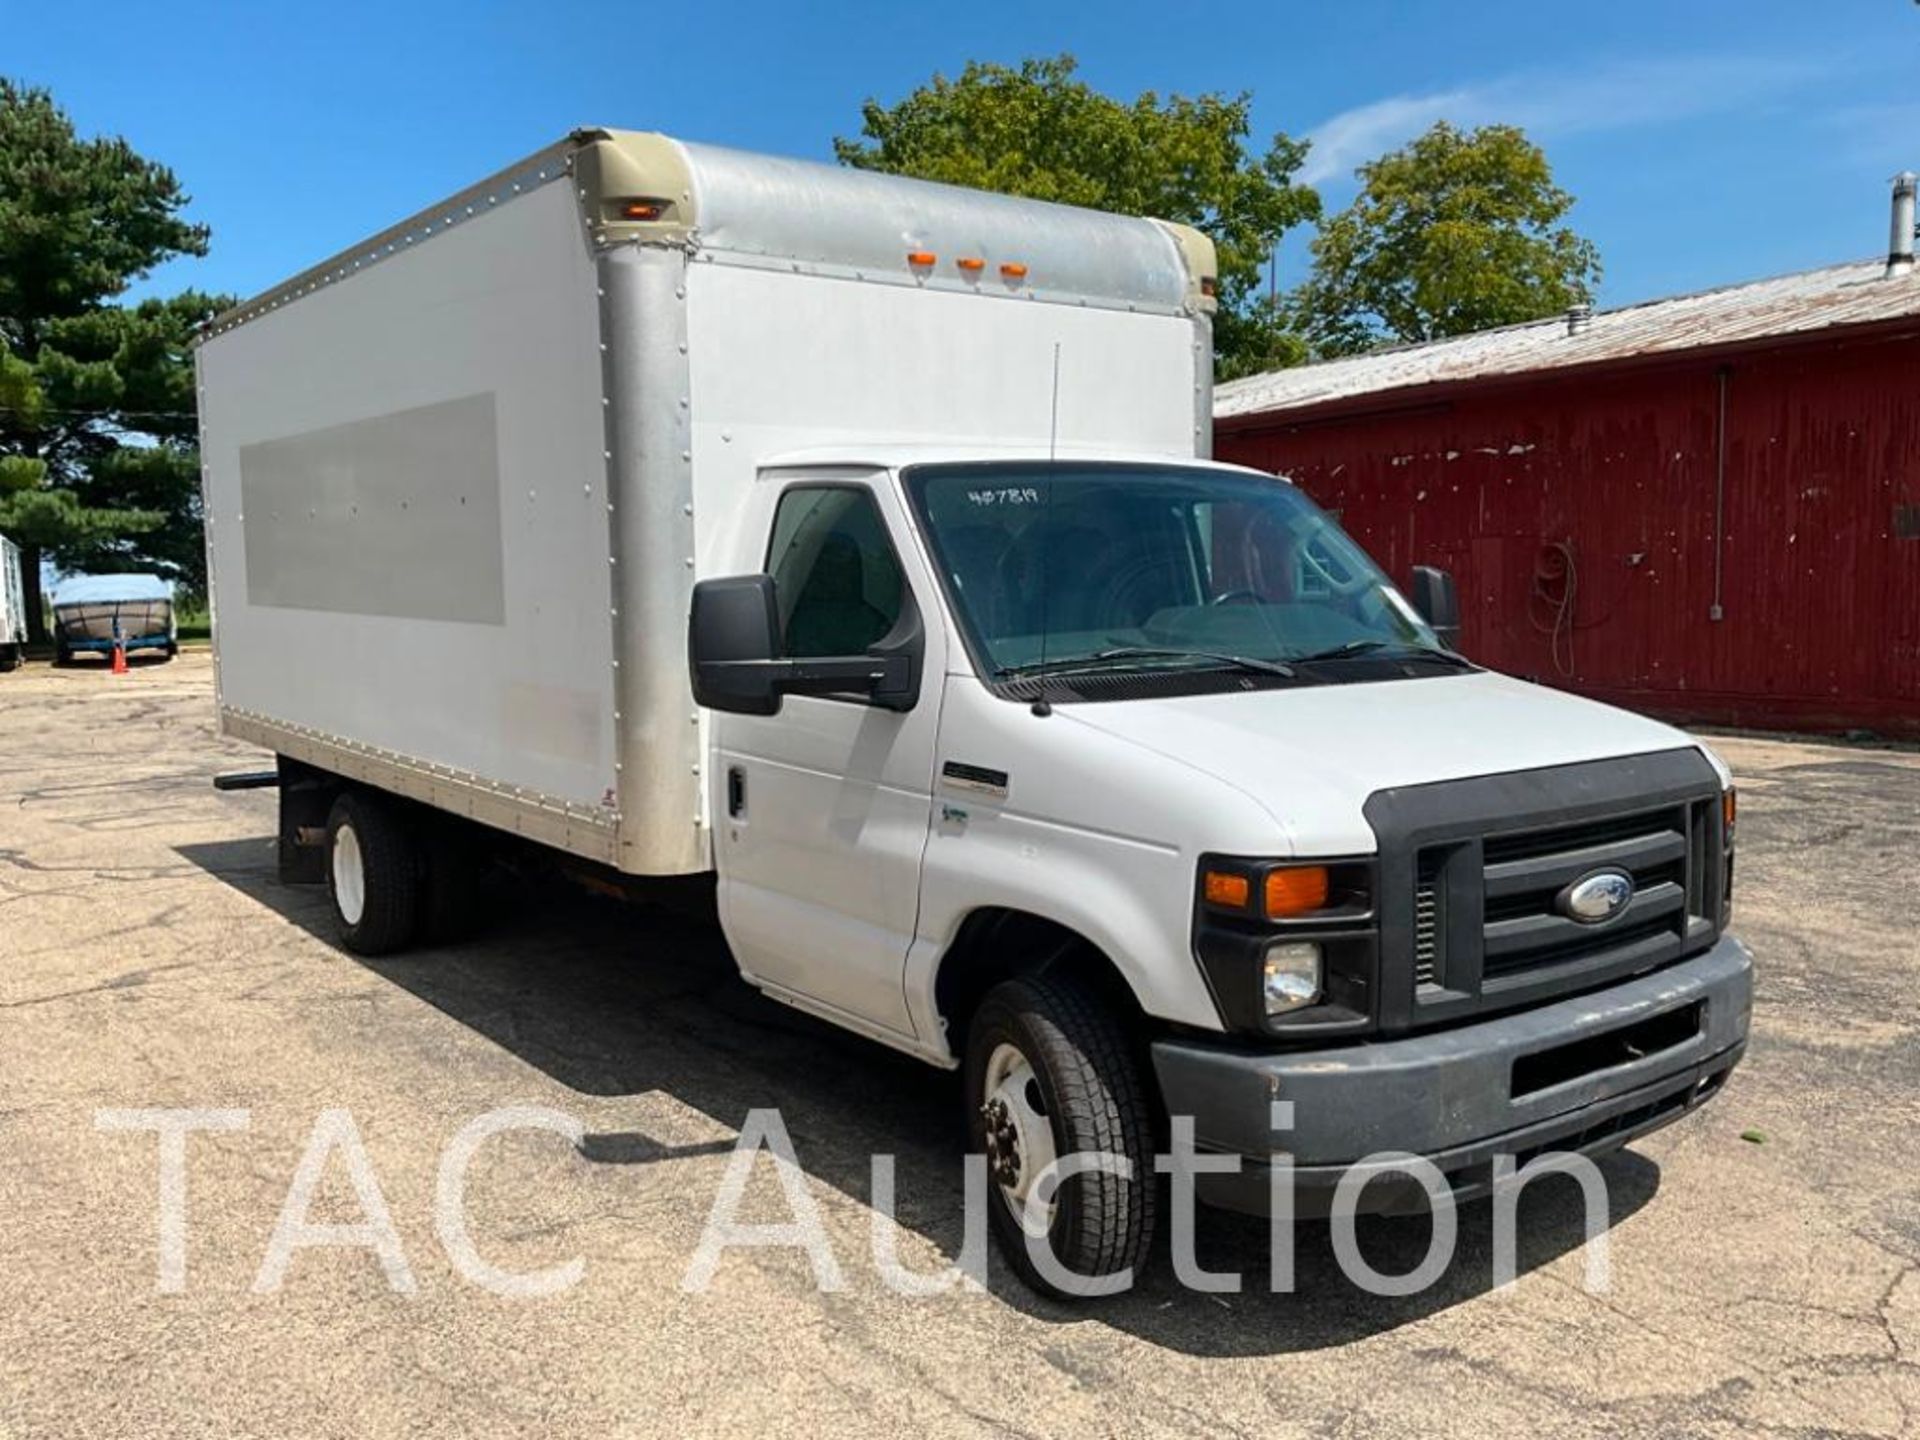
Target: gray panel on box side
pixel 395 515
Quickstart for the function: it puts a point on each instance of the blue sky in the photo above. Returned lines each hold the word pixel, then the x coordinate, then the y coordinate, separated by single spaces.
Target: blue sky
pixel 1707 142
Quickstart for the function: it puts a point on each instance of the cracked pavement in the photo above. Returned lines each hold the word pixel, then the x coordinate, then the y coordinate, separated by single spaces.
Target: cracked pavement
pixel 151 959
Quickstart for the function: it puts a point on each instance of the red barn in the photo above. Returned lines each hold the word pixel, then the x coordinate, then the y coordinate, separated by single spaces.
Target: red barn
pixel 1706 507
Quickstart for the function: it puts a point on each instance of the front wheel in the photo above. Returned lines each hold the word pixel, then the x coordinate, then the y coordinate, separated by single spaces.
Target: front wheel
pixel 373 874
pixel 1051 1075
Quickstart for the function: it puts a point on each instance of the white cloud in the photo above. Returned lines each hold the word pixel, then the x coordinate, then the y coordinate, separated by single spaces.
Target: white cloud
pixel 1547 103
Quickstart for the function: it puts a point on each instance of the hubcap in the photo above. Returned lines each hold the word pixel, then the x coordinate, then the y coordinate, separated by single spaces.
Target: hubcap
pixel 349 875
pixel 1019 1136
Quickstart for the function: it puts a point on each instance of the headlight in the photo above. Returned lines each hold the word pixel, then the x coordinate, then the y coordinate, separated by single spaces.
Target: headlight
pixel 1289 947
pixel 1290 976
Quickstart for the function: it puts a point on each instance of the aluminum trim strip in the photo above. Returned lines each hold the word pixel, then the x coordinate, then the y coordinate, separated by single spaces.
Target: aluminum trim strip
pixel 577 829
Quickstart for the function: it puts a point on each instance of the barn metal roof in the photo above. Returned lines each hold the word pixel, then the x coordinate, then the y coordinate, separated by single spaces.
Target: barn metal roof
pixel 1856 293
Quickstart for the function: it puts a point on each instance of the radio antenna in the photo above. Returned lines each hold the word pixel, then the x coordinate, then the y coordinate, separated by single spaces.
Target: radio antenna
pixel 1040 706
pixel 1053 419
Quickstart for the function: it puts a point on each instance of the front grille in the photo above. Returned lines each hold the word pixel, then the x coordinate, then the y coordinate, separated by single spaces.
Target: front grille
pixel 1525 871
pixel 1475 869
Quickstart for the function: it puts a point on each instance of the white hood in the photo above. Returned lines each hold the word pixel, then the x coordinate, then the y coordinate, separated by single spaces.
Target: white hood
pixel 1312 755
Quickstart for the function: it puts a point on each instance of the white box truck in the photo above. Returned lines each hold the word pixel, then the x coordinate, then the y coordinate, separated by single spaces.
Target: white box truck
pixel 849 539
pixel 13 607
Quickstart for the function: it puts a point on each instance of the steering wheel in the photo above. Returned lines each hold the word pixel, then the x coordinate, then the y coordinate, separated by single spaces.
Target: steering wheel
pixel 1237 597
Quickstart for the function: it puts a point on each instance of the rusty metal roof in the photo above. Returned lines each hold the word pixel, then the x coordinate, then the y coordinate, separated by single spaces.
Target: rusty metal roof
pixel 1856 293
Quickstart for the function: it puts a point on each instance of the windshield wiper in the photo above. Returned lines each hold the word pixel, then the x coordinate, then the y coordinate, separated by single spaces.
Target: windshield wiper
pixel 1101 658
pixel 1375 647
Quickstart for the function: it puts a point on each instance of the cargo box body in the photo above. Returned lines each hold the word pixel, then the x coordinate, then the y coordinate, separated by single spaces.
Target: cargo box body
pixel 460 480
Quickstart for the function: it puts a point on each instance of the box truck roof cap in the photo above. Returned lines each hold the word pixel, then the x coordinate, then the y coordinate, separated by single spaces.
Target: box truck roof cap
pixel 646 188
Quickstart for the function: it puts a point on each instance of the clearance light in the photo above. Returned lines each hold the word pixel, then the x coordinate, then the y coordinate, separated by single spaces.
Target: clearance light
pixel 921 257
pixel 972 264
pixel 642 210
pixel 1226 889
pixel 1296 891
pixel 1013 270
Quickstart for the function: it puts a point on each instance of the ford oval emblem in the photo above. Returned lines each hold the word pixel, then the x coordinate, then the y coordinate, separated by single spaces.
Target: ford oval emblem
pixel 1597 898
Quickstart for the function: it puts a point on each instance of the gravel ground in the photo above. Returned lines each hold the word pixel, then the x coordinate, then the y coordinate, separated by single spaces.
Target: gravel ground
pixel 1763 1250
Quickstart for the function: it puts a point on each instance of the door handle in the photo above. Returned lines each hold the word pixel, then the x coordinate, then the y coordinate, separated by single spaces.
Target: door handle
pixel 736 791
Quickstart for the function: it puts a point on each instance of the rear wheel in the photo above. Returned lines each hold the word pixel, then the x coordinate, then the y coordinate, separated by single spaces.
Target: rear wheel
pixel 9 658
pixel 373 874
pixel 1050 1075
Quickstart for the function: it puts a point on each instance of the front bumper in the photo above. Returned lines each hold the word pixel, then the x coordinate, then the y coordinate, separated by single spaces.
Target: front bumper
pixel 1451 1096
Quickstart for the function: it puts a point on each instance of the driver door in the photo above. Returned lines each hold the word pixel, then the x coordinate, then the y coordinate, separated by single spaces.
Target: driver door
pixel 821 812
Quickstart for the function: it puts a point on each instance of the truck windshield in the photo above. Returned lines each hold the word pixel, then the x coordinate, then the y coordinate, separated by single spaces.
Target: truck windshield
pixel 1089 564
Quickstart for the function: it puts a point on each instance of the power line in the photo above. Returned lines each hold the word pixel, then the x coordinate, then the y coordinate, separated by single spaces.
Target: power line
pixel 102 413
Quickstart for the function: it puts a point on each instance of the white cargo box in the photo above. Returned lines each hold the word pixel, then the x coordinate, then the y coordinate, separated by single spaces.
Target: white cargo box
pixel 13 606
pixel 460 479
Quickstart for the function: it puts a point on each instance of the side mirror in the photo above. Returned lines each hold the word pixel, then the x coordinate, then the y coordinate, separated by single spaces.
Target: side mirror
pixel 732 639
pixel 733 650
pixel 1438 602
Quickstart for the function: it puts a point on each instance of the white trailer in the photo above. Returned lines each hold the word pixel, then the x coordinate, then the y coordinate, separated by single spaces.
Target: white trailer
pixel 13 607
pixel 850 539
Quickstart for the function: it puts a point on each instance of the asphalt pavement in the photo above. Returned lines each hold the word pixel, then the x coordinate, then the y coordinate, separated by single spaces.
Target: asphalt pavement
pixel 1763 1251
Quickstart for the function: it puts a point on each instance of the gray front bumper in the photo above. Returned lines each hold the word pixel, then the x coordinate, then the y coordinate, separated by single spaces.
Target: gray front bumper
pixel 1447 1096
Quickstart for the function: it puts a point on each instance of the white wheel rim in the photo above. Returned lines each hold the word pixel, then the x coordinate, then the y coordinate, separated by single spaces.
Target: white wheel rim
pixel 349 875
pixel 1020 1146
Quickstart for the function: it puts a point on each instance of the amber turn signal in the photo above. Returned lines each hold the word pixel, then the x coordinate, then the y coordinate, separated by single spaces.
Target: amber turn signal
pixel 1226 889
pixel 1729 806
pixel 642 210
pixel 1298 890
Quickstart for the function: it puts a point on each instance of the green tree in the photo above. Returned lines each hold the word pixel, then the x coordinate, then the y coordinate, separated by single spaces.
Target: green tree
pixel 1040 132
pixel 97 465
pixel 1456 231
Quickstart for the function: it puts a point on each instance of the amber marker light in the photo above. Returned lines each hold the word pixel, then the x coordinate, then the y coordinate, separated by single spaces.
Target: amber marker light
pixel 1013 270
pixel 972 264
pixel 1226 889
pixel 642 210
pixel 921 257
pixel 1298 890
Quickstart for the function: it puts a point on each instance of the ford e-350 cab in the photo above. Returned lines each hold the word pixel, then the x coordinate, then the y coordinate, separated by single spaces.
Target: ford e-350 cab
pixel 670 512
pixel 1217 820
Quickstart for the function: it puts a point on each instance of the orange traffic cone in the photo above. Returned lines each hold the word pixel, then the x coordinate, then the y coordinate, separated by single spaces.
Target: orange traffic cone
pixel 119 659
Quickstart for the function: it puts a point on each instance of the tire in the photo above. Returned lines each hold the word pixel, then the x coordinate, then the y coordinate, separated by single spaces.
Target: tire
pixel 9 658
pixel 62 656
pixel 171 649
pixel 373 874
pixel 1091 1095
